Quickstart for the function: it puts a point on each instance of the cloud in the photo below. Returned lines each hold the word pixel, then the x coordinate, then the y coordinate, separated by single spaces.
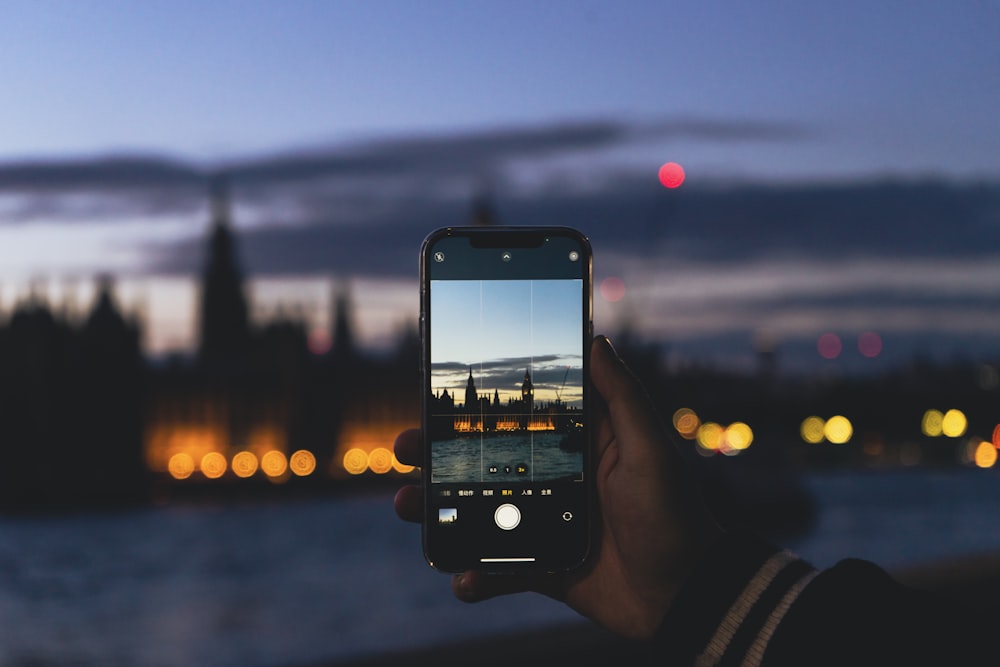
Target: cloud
pixel 637 224
pixel 363 209
pixel 458 153
pixel 549 373
pixel 98 174
pixel 129 185
pixel 718 130
pixel 98 189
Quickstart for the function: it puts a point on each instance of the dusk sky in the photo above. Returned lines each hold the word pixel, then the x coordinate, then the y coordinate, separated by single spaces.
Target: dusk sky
pixel 498 329
pixel 350 130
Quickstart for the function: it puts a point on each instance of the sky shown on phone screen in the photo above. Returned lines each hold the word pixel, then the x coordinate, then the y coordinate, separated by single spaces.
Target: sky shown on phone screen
pixel 501 328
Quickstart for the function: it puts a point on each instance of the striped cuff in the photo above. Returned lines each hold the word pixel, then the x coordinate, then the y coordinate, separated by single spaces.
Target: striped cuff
pixel 729 610
pixel 750 622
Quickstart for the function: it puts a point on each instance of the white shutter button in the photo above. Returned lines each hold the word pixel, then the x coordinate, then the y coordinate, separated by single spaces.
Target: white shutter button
pixel 507 516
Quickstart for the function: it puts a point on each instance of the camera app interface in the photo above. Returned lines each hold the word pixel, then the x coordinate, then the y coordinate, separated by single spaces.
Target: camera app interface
pixel 505 416
pixel 506 382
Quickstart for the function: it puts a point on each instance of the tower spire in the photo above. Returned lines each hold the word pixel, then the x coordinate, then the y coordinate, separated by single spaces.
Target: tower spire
pixel 224 320
pixel 342 328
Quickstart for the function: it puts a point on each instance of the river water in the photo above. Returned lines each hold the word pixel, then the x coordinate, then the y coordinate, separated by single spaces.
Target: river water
pixel 302 582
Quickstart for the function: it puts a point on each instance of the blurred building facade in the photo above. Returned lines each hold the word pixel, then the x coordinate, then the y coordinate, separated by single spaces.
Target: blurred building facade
pixel 86 419
pixel 71 404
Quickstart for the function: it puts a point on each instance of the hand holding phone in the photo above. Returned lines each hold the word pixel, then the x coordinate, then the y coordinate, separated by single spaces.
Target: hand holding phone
pixel 653 524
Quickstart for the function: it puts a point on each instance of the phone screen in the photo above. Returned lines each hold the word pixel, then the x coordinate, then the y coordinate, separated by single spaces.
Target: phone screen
pixel 506 317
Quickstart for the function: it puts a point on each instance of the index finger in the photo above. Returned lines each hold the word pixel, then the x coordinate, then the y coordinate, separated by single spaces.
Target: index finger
pixel 409 447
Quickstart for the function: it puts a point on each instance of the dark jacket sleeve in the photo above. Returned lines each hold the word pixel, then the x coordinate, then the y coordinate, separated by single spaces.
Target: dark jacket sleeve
pixel 752 604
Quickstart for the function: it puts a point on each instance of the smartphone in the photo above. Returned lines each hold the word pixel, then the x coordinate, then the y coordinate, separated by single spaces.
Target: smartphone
pixel 506 327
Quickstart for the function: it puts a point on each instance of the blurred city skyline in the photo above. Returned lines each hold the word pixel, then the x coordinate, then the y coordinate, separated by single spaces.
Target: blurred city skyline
pixel 842 169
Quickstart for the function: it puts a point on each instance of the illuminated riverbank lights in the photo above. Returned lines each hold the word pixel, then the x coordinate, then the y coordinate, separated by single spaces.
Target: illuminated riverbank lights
pixel 686 421
pixel 380 461
pixel 181 465
pixel 274 464
pixel 837 430
pixel 986 455
pixel 954 424
pixel 950 424
pixel 213 465
pixel 729 440
pixel 812 430
pixel 302 463
pixel 244 464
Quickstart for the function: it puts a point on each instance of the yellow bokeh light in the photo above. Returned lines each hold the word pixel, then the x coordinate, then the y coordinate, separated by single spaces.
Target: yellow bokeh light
pixel 245 464
pixel 380 460
pixel 986 455
pixel 356 461
pixel 686 421
pixel 710 435
pixel 838 430
pixel 180 465
pixel 213 465
pixel 739 436
pixel 400 467
pixel 931 423
pixel 954 423
pixel 274 463
pixel 812 430
pixel 303 463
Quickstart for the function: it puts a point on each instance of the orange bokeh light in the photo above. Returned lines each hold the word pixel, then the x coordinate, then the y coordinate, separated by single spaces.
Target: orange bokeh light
pixel 986 455
pixel 274 463
pixel 213 465
pixel 303 463
pixel 686 421
pixel 380 460
pixel 245 464
pixel 181 465
pixel 356 461
pixel 401 467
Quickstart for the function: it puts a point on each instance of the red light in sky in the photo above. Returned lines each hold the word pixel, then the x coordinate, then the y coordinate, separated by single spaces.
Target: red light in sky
pixel 829 346
pixel 870 344
pixel 671 175
pixel 319 341
pixel 612 289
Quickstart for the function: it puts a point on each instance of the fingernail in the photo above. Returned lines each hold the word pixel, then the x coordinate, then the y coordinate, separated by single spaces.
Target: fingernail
pixel 610 346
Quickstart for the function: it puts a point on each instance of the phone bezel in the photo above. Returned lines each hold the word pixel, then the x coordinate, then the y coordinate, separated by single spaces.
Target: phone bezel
pixel 509 237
